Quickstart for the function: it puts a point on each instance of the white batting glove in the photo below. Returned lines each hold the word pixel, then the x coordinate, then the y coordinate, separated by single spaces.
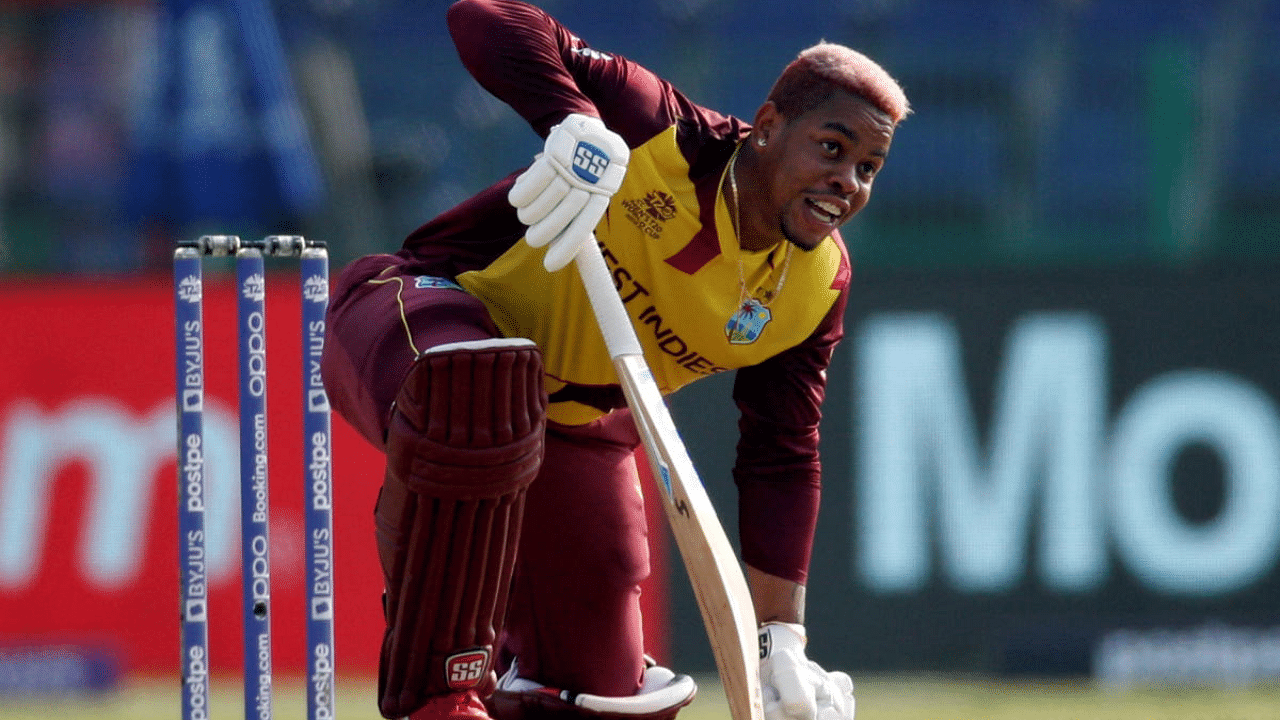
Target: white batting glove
pixel 565 192
pixel 795 687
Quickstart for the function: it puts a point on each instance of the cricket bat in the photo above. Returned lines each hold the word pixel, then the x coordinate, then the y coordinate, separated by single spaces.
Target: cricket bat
pixel 713 568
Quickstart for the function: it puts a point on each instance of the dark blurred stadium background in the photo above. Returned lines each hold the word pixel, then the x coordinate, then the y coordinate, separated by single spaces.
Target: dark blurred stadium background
pixel 1063 133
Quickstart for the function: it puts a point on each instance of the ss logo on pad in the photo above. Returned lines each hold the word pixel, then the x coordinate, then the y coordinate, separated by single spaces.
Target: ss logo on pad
pixel 465 669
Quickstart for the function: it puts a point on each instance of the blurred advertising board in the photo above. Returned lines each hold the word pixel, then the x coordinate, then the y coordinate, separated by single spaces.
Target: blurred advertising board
pixel 88 487
pixel 1042 462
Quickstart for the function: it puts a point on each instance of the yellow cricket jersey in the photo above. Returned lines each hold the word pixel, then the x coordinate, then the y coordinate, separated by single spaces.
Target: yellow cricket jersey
pixel 682 317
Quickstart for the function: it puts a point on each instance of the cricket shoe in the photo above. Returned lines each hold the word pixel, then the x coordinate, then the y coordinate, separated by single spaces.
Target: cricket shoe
pixel 661 695
pixel 461 705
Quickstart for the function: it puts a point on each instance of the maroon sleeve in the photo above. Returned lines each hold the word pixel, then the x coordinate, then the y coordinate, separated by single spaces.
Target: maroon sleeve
pixel 527 59
pixel 778 472
pixel 468 237
pixel 514 50
pixel 530 61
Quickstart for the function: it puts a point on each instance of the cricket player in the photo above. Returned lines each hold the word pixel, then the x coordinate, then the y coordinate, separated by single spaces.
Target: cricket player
pixel 510 525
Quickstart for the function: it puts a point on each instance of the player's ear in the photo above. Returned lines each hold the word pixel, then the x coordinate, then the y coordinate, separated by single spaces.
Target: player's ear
pixel 766 122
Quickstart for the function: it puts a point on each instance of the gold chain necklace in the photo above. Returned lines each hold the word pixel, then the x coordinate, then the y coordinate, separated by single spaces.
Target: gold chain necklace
pixel 743 297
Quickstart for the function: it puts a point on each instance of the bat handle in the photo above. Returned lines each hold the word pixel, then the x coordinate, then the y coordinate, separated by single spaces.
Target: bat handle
pixel 619 335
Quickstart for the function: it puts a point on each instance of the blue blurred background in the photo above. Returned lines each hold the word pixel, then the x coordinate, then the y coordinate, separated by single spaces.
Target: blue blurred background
pixel 1046 132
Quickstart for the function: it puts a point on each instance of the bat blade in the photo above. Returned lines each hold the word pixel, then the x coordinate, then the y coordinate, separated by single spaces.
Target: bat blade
pixel 723 596
pixel 718 583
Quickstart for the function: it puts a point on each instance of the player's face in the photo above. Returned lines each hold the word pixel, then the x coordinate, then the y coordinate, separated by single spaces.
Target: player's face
pixel 821 164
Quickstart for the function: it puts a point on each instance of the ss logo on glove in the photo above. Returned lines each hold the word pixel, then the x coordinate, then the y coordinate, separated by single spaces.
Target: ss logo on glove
pixel 589 162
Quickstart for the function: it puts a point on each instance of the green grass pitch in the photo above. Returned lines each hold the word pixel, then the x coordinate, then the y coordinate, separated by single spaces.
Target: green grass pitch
pixel 879 698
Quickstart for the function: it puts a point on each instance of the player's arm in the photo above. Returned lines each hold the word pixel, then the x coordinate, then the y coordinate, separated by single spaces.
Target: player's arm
pixel 516 52
pixel 775 599
pixel 591 106
pixel 546 72
pixel 778 476
pixel 530 61
pixel 778 471
pixel 527 59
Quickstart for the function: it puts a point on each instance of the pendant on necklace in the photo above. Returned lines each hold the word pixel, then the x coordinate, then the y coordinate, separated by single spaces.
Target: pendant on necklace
pixel 747 323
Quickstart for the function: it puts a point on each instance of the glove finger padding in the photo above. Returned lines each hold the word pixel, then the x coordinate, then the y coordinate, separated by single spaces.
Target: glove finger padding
pixel 532 183
pixel 551 227
pixel 553 194
pixel 840 682
pixel 834 695
pixel 797 691
pixel 841 711
pixel 566 247
pixel 553 197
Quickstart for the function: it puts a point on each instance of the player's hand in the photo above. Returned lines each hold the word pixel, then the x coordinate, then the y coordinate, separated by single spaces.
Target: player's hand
pixel 795 687
pixel 565 192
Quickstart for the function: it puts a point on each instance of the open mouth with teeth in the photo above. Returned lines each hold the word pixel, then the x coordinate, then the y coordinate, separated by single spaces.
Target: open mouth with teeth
pixel 827 212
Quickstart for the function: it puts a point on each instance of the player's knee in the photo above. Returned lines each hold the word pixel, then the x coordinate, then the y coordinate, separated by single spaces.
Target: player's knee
pixel 616 565
pixel 608 536
pixel 469 419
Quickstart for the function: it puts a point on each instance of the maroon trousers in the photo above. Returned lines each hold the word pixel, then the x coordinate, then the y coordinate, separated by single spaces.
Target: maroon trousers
pixel 574 615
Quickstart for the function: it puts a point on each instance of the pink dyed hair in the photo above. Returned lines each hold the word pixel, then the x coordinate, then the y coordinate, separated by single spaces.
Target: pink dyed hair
pixel 820 70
